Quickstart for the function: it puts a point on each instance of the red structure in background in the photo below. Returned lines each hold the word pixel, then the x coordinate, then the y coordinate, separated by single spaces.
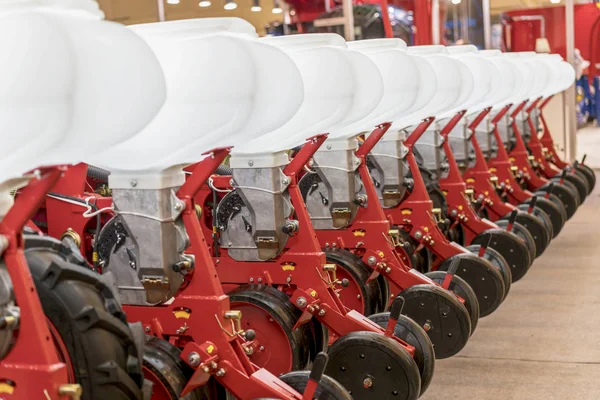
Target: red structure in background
pixel 309 10
pixel 521 34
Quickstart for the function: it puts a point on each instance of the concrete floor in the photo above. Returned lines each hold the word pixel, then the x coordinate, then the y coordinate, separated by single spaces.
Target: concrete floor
pixel 544 340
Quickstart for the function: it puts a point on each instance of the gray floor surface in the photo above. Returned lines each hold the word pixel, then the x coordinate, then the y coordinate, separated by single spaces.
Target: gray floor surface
pixel 544 340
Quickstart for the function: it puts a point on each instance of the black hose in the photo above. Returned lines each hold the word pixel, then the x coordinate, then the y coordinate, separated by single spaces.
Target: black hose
pixel 224 170
pixel 98 173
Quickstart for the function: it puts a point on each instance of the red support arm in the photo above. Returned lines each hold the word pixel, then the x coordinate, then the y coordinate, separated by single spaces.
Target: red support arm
pixel 479 118
pixel 372 140
pixel 418 132
pixel 202 171
pixel 452 123
pixel 305 154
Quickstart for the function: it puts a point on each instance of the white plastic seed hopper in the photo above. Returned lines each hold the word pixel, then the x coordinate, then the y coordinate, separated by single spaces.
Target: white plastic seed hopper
pixel 455 86
pixel 340 87
pixel 336 162
pixel 562 74
pixel 224 88
pixel 72 83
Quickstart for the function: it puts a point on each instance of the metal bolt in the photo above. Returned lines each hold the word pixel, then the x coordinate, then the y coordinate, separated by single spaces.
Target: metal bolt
pixel 259 280
pixel 367 383
pixel 251 280
pixel 328 147
pixel 427 326
pixel 177 206
pixel 371 260
pixel 454 213
pixel 358 296
pixel 206 369
pixel 333 244
pixel 213 365
pixel 356 162
pixel 221 372
pixel 431 242
pixel 147 329
pixel 388 270
pixel 261 348
pixel 301 302
pixel 326 244
pixel 250 163
pixel 229 244
pixel 133 183
pixel 322 313
pixel 285 181
pixel 288 279
pixel 194 359
pixel 418 235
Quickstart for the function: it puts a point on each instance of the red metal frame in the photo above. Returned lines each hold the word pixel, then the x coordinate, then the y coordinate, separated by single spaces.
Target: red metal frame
pixel 32 367
pixel 480 179
pixel 454 186
pixel 415 213
pixel 368 233
pixel 220 347
pixel 303 260
pixel 502 165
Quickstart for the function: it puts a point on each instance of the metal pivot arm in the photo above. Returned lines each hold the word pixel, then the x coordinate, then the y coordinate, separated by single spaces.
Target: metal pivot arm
pixel 410 141
pixel 202 171
pixel 372 140
pixel 533 104
pixel 517 110
pixel 305 154
pixel 454 175
pixel 475 123
pixel 501 114
pixel 445 131
pixel 29 200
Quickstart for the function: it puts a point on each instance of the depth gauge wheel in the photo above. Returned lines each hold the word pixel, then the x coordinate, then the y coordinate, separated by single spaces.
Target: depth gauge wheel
pixel 525 235
pixel 568 197
pixel 484 279
pixel 498 261
pixel 512 248
pixel 589 174
pixel 409 331
pixel 373 366
pixel 87 323
pixel 328 388
pixel 446 321
pixel 554 209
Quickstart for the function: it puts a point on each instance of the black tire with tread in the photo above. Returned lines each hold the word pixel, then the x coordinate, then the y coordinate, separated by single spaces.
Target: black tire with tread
pixel 88 316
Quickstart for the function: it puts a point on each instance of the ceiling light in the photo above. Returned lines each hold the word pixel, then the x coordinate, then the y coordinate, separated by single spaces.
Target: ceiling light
pixel 204 3
pixel 456 1
pixel 276 8
pixel 172 1
pixel 256 6
pixel 230 5
pixel 555 1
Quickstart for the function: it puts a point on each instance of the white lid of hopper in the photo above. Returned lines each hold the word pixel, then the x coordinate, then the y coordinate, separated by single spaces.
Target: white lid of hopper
pixel 72 83
pixel 224 88
pixel 340 88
